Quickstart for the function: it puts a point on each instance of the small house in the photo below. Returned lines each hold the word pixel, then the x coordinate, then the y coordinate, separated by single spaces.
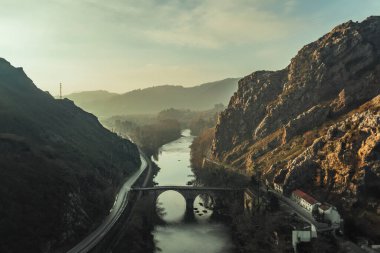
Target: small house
pixel 330 213
pixel 278 187
pixel 304 200
pixel 304 235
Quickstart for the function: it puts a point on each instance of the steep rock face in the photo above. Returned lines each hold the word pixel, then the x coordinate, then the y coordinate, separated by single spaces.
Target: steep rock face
pixel 342 166
pixel 315 124
pixel 246 109
pixel 327 78
pixel 59 167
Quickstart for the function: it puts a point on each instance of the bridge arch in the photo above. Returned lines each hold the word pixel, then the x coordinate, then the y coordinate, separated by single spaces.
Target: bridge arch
pixel 203 205
pixel 189 193
pixel 170 205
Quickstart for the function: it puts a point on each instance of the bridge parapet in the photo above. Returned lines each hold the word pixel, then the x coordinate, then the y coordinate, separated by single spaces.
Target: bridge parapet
pixel 189 192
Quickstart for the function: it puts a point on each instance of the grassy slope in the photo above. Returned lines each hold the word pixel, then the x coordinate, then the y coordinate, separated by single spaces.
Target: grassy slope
pixel 59 168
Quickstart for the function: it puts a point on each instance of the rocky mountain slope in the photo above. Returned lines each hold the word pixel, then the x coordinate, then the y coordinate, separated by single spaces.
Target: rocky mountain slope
pixel 155 99
pixel 59 168
pixel 315 124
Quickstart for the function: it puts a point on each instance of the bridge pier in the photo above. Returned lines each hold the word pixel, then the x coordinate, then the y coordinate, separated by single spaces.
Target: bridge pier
pixel 190 193
pixel 189 213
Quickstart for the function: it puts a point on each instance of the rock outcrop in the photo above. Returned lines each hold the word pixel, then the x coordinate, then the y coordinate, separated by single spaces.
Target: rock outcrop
pixel 315 124
pixel 326 79
pixel 344 159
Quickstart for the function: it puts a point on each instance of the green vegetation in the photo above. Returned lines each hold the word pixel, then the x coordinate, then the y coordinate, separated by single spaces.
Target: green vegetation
pixel 138 235
pixel 269 232
pixel 219 177
pixel 151 136
pixel 59 168
pixel 151 132
pixel 155 99
pixel 268 229
pixel 212 175
pixel 196 121
pixel 201 147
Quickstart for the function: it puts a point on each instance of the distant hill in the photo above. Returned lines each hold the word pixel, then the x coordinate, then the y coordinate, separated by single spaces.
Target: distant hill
pixel 155 99
pixel 91 96
pixel 59 167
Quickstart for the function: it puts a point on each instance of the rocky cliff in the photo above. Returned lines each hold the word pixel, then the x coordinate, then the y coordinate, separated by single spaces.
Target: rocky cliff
pixel 59 168
pixel 310 125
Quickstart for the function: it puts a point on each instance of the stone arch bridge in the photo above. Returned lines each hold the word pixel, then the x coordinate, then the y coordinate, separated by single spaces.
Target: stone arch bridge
pixel 191 192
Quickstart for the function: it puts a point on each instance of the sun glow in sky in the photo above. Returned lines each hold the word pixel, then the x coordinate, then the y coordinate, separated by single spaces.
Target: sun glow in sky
pixel 121 45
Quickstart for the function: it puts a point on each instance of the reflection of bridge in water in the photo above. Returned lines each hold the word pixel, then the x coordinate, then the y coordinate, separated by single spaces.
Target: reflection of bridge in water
pixel 218 194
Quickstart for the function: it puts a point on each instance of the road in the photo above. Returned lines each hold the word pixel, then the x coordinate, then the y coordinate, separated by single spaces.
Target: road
pixel 183 187
pixel 120 203
pixel 302 212
pixel 291 204
pixel 344 244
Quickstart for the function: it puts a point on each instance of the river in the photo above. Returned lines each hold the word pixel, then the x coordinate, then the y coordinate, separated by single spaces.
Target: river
pixel 202 234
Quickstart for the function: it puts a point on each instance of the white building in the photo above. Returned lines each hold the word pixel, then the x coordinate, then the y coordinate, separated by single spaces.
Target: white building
pixel 303 236
pixel 306 201
pixel 330 213
pixel 278 187
pixel 249 199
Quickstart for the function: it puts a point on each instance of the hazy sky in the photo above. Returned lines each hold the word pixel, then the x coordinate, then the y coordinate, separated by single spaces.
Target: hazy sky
pixel 120 45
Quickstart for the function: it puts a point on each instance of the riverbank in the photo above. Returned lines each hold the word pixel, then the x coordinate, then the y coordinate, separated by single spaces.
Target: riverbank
pixel 136 233
pixel 204 232
pixel 133 232
pixel 149 231
pixel 267 227
pixel 149 134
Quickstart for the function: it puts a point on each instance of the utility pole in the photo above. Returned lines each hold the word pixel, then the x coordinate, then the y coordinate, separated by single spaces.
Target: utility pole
pixel 60 90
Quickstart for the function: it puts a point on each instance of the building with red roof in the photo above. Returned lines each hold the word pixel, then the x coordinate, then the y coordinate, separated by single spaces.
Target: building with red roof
pixel 304 200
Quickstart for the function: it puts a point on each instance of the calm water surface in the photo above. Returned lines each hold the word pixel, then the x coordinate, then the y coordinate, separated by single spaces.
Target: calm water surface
pixel 178 236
